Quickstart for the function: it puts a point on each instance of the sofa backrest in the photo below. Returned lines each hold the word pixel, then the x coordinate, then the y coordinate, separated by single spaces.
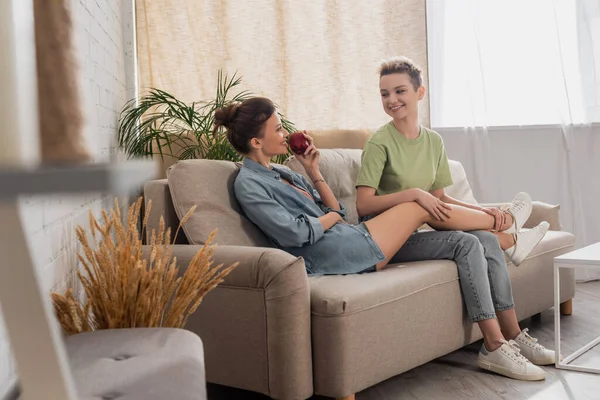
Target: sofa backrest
pixel 340 138
pixel 209 185
pixel 323 139
pixel 340 169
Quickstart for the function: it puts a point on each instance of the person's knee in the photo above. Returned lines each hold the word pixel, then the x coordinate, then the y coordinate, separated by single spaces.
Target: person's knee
pixel 416 209
pixel 468 243
pixel 488 239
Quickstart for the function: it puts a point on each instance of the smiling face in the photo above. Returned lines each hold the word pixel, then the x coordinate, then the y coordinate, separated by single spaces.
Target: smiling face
pixel 399 97
pixel 273 141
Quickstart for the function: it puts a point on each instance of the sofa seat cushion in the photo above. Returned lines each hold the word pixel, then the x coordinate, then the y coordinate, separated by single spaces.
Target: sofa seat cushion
pixel 138 364
pixel 208 184
pixel 345 294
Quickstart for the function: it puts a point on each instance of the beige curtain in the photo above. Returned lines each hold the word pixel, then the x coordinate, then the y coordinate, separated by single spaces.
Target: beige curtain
pixel 316 59
pixel 60 108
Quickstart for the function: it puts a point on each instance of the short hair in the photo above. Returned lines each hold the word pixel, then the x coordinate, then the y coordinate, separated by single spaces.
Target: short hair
pixel 402 65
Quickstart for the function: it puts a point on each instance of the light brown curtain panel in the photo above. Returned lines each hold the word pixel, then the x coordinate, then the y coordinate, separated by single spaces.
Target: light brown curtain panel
pixel 60 108
pixel 316 59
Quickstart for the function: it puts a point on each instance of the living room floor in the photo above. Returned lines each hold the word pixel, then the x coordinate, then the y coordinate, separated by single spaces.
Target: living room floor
pixel 456 376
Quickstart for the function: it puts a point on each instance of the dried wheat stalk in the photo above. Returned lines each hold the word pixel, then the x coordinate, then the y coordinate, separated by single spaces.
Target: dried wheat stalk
pixel 124 289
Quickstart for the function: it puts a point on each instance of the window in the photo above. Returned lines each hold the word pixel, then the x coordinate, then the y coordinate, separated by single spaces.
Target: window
pixel 499 63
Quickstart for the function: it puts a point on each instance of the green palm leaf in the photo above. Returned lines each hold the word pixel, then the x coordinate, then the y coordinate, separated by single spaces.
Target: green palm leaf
pixel 157 123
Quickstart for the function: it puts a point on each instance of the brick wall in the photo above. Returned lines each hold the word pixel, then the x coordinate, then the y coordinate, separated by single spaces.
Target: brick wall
pixel 106 75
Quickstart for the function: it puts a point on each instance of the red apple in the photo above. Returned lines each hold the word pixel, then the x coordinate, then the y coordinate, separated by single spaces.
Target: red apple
pixel 298 143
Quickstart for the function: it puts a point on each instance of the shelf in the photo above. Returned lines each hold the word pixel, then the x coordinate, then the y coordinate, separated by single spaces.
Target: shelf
pixel 115 178
pixel 37 341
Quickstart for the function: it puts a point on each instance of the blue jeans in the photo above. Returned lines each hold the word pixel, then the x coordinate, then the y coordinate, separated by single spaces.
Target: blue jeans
pixel 482 269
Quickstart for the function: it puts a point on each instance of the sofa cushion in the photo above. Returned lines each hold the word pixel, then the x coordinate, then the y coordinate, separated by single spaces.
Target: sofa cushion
pixel 460 189
pixel 345 294
pixel 544 212
pixel 209 185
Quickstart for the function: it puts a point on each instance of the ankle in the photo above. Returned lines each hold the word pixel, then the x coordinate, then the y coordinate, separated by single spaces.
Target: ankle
pixel 506 240
pixel 508 221
pixel 511 335
pixel 492 345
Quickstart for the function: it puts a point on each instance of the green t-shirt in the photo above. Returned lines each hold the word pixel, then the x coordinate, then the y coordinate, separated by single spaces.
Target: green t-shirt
pixel 392 163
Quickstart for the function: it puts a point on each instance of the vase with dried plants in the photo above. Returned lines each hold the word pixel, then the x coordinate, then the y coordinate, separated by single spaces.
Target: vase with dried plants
pixel 127 287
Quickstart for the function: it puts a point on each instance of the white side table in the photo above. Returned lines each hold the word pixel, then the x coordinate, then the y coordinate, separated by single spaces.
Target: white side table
pixel 586 257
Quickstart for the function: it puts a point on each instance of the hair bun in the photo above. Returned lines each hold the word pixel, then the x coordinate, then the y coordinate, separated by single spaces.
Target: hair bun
pixel 226 116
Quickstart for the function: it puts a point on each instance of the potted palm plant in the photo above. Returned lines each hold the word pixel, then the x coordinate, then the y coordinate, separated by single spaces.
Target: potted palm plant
pixel 158 123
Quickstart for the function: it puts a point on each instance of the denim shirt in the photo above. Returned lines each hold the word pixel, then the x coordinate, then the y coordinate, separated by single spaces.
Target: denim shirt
pixel 291 220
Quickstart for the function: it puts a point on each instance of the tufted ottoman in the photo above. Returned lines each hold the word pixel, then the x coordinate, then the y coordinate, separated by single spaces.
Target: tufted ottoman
pixel 138 364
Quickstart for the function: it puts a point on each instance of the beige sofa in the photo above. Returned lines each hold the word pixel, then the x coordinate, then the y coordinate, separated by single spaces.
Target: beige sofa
pixel 271 329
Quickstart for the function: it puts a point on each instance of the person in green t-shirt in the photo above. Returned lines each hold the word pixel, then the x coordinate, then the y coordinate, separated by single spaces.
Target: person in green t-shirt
pixel 404 162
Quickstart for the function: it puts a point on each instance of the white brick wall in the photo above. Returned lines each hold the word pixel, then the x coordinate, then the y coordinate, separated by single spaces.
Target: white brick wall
pixel 50 221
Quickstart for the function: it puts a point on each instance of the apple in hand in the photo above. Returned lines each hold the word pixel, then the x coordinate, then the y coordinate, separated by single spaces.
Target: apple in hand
pixel 298 143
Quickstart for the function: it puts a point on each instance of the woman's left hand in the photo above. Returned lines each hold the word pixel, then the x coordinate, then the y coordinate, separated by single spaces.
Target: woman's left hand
pixel 499 216
pixel 310 158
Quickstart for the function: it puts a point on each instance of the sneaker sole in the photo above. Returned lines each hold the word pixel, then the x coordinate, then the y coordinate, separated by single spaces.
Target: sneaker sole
pixel 546 361
pixel 508 373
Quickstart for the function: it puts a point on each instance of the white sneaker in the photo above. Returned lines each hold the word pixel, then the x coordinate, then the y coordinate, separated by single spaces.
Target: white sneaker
pixel 533 351
pixel 507 360
pixel 520 208
pixel 526 240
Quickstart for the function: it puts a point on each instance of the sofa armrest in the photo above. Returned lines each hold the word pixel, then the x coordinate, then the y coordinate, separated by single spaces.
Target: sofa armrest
pixel 256 324
pixel 544 212
pixel 540 212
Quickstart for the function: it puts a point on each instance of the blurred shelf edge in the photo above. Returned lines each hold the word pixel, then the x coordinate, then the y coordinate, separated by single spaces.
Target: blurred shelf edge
pixel 118 177
pixel 13 391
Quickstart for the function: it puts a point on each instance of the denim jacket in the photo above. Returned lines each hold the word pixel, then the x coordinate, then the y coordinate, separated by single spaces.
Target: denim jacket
pixel 290 220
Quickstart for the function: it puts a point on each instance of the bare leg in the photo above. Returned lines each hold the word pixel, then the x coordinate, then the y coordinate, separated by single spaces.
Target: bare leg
pixel 392 228
pixel 506 240
pixel 492 335
pixel 466 219
pixel 508 323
